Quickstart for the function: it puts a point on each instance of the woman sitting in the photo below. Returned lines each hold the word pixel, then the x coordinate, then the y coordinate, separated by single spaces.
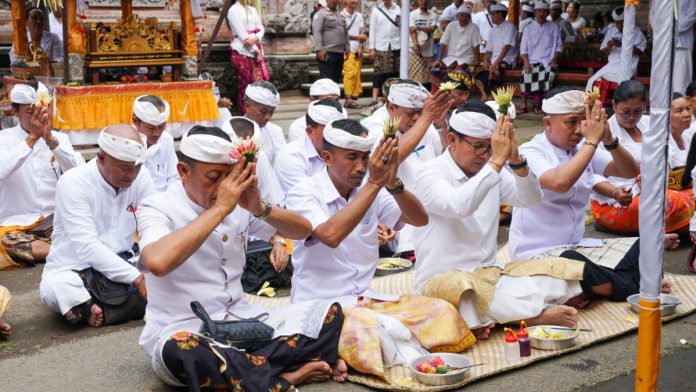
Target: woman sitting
pixel 681 132
pixel 615 200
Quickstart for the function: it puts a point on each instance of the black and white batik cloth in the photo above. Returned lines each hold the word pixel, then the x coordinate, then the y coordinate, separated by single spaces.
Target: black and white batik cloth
pixel 540 79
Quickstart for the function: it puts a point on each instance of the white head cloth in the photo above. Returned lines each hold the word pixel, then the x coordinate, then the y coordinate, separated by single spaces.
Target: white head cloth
pixel 511 109
pixel 206 148
pixel 407 95
pixel 618 13
pixel 340 138
pixel 498 7
pixel 541 5
pixel 527 8
pixel 324 86
pixel 472 124
pixel 556 6
pixel 464 9
pixel 121 148
pixel 564 103
pixel 322 3
pixel 262 95
pixel 149 113
pixel 22 94
pixel 323 114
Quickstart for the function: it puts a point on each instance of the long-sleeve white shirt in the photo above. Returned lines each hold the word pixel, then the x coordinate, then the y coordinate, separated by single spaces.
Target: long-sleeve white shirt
pixel 93 223
pixel 273 140
pixel 540 42
pixel 241 21
pixel 298 161
pixel 50 43
pixel 463 211
pixel 383 34
pixel 28 176
pixel 162 164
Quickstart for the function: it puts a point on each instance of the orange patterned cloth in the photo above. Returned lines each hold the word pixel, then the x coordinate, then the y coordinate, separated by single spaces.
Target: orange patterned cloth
pixel 436 324
pixel 679 208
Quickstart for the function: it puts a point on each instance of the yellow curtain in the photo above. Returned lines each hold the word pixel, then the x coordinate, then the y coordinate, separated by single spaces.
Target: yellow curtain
pixel 189 45
pixel 77 42
pixel 19 27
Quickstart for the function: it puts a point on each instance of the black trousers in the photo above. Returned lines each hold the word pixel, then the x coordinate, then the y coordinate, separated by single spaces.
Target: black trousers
pixel 625 278
pixel 332 67
pixel 202 364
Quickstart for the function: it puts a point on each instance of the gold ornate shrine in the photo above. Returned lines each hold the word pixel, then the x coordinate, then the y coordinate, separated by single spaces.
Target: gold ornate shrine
pixel 132 42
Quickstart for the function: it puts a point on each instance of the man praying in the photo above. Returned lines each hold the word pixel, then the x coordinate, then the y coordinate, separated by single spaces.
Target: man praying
pixel 321 89
pixel 261 99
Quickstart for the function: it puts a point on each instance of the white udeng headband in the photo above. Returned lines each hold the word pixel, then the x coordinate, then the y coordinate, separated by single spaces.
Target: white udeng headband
pixel 22 94
pixel 343 139
pixel 564 103
pixel 206 148
pixel 262 95
pixel 324 86
pixel 149 113
pixel 121 148
pixel 472 124
pixel 323 114
pixel 407 95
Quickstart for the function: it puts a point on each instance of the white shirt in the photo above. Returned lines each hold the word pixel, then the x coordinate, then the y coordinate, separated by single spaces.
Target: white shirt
pixel 297 129
pixel 212 275
pixel 50 43
pixel 578 25
pixel 685 26
pixel 273 140
pixel 560 218
pixel 501 35
pixel 298 161
pixel 241 22
pixel 28 176
pixel 56 26
pixel 346 271
pixel 460 41
pixel 483 20
pixel 450 13
pixel 162 164
pixel 614 58
pixel 93 223
pixel 524 23
pixel 676 156
pixel 634 148
pixel 383 34
pixel 463 226
pixel 356 23
pixel 419 19
pixel 540 42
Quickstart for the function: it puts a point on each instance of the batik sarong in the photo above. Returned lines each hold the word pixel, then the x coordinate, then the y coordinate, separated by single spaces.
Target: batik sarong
pixel 536 83
pixel 419 68
pixel 247 70
pixel 15 243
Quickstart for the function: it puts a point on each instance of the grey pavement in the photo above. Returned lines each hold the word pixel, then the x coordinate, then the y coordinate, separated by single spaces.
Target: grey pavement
pixel 44 354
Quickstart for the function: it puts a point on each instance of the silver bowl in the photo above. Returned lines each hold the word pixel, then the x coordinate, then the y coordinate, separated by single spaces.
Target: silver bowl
pixel 398 265
pixel 668 304
pixel 450 378
pixel 553 344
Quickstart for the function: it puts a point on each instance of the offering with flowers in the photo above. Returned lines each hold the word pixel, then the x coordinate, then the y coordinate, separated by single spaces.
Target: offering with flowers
pixel 391 126
pixel 449 86
pixel 43 99
pixel 592 96
pixel 247 148
pixel 503 97
pixel 435 366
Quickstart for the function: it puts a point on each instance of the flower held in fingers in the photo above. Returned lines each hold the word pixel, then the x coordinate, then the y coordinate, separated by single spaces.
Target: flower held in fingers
pixel 391 126
pixel 503 97
pixel 247 148
pixel 592 96
pixel 449 86
pixel 43 98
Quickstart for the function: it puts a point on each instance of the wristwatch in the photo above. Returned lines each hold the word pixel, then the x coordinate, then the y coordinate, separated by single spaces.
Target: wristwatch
pixel 517 166
pixel 53 143
pixel 399 187
pixel 267 207
pixel 613 145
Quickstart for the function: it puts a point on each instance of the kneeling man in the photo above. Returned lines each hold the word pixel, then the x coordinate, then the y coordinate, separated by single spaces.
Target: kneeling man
pixel 193 241
pixel 339 258
pixel 94 225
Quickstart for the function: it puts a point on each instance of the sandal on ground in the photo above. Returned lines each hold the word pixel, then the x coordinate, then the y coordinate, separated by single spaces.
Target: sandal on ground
pixel 353 105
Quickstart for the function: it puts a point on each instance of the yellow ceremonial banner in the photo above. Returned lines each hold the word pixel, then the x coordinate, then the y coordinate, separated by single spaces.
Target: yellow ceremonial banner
pixel 189 45
pixel 19 27
pixel 649 332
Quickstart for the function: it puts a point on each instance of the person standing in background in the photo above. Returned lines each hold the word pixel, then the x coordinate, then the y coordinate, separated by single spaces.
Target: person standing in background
pixel 422 24
pixel 352 66
pixel 385 44
pixel 330 40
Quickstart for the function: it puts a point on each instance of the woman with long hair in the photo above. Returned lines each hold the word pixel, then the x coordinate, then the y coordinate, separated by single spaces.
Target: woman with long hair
pixel 615 200
pixel 247 54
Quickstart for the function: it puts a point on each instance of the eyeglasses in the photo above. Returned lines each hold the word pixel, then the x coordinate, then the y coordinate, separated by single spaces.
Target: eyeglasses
pixel 627 113
pixel 479 149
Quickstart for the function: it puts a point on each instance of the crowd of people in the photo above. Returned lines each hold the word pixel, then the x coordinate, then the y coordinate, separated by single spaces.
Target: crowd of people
pixel 170 230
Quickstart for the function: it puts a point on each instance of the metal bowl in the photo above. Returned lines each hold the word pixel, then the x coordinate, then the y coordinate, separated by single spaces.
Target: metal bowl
pixel 398 264
pixel 668 304
pixel 553 344
pixel 442 379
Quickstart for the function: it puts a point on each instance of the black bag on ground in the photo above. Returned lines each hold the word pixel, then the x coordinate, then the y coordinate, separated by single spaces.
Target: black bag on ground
pixel 249 335
pixel 258 269
pixel 120 302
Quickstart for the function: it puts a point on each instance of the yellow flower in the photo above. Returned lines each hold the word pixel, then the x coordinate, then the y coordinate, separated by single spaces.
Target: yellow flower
pixel 267 290
pixel 592 96
pixel 503 97
pixel 43 98
pixel 391 126
pixel 449 86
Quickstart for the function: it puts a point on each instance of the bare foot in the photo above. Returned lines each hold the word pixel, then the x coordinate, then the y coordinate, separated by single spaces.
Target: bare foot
pixel 5 331
pixel 339 371
pixel 562 315
pixel 578 302
pixel 482 333
pixel 96 318
pixel 671 241
pixel 666 287
pixel 310 372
